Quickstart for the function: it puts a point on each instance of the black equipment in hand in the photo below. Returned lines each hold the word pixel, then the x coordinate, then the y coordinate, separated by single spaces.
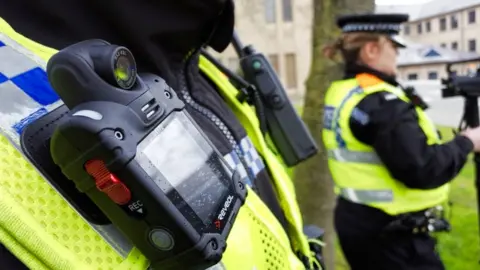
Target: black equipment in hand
pixel 469 88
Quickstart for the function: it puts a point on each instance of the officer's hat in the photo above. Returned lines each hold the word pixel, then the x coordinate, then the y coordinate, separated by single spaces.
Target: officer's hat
pixel 388 24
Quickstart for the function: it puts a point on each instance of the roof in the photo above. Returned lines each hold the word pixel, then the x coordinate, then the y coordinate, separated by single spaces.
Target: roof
pixel 412 10
pixel 420 54
pixel 429 9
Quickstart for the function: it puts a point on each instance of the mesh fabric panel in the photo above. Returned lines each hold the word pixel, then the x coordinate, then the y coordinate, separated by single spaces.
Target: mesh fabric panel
pixel 19 179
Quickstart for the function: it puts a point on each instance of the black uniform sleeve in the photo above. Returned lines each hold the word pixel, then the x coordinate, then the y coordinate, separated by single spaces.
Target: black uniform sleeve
pixel 390 126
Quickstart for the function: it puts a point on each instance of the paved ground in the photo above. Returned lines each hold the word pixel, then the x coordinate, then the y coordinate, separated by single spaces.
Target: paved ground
pixel 445 112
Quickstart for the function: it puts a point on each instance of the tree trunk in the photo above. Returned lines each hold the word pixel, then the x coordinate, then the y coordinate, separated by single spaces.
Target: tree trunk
pixel 313 181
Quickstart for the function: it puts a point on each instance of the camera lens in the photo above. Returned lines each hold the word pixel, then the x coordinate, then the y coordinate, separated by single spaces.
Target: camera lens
pixel 124 68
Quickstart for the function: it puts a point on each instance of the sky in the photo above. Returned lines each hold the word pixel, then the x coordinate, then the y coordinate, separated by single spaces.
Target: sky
pixel 403 2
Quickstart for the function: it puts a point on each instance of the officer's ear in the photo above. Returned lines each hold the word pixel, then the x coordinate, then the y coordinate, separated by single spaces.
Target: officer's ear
pixel 370 51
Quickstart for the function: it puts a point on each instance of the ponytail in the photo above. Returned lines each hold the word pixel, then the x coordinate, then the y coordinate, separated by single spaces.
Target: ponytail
pixel 349 45
pixel 331 50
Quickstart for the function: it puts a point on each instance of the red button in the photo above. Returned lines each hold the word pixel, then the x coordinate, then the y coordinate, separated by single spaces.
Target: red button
pixel 107 182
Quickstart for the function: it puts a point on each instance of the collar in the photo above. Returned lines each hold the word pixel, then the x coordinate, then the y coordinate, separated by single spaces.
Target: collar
pixel 352 70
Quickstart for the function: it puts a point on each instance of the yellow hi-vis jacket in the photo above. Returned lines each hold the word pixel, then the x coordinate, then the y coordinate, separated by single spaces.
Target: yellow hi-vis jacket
pixel 358 173
pixel 41 229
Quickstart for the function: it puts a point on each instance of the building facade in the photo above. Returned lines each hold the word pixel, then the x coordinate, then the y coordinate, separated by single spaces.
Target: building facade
pixel 446 23
pixel 438 32
pixel 429 62
pixel 281 29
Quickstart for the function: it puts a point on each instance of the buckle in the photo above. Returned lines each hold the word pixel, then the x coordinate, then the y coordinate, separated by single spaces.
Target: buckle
pixel 425 222
pixel 315 241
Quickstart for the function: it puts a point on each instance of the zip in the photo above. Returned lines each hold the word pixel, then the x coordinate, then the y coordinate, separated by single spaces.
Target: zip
pixel 187 98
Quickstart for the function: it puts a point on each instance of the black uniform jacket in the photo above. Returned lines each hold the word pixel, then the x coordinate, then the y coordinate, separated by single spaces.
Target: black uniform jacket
pixel 393 131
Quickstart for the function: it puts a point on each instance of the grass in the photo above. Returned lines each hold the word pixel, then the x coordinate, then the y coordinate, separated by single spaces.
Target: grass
pixel 460 248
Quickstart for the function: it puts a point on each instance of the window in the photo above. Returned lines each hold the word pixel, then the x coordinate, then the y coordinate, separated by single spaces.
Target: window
pixel 472 16
pixel 432 75
pixel 270 11
pixel 412 76
pixel 472 45
pixel 428 27
pixel 443 24
pixel 407 29
pixel 454 45
pixel 454 22
pixel 419 28
pixel 291 70
pixel 443 45
pixel 273 58
pixel 287 10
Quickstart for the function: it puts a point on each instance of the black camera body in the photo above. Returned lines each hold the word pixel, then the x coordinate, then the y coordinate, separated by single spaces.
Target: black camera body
pixel 466 86
pixel 146 167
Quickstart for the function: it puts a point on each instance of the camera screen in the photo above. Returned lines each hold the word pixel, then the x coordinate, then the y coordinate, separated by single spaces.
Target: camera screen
pixel 176 152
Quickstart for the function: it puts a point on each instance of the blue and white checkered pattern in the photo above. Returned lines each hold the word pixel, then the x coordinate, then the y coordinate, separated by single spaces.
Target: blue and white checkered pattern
pixel 24 87
pixel 236 164
pixel 27 95
pixel 252 158
pixel 254 162
pixel 356 27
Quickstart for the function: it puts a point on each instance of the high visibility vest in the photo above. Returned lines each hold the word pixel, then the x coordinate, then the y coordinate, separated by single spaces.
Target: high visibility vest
pixel 358 172
pixel 42 230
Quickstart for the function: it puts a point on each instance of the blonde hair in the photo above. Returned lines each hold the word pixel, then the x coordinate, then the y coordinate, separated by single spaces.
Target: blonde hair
pixel 349 45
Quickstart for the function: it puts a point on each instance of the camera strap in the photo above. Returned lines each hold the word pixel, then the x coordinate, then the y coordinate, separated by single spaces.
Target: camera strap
pixel 248 93
pixel 415 98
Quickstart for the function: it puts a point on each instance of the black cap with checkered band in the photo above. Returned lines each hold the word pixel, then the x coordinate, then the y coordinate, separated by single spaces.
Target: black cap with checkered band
pixel 388 24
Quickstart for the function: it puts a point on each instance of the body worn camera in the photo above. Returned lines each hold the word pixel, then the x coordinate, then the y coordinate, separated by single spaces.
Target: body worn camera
pixel 286 129
pixel 129 145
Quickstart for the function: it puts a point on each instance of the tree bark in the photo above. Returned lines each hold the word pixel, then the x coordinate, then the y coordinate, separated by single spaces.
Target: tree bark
pixel 312 178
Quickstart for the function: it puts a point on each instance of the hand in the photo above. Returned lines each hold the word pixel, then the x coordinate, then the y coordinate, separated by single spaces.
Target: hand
pixel 474 135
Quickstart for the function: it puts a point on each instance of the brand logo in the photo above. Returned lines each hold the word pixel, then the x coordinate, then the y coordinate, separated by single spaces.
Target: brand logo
pixel 120 52
pixel 223 212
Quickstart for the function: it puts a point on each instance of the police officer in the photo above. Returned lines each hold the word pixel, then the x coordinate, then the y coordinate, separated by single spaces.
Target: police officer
pixel 391 170
pixel 42 231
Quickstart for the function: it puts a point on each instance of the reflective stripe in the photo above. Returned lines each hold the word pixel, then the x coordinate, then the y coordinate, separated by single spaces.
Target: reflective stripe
pixel 367 196
pixel 345 155
pixel 22 101
pixel 336 123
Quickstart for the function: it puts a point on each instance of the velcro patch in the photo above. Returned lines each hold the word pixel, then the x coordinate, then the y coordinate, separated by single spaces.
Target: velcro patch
pixel 328 113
